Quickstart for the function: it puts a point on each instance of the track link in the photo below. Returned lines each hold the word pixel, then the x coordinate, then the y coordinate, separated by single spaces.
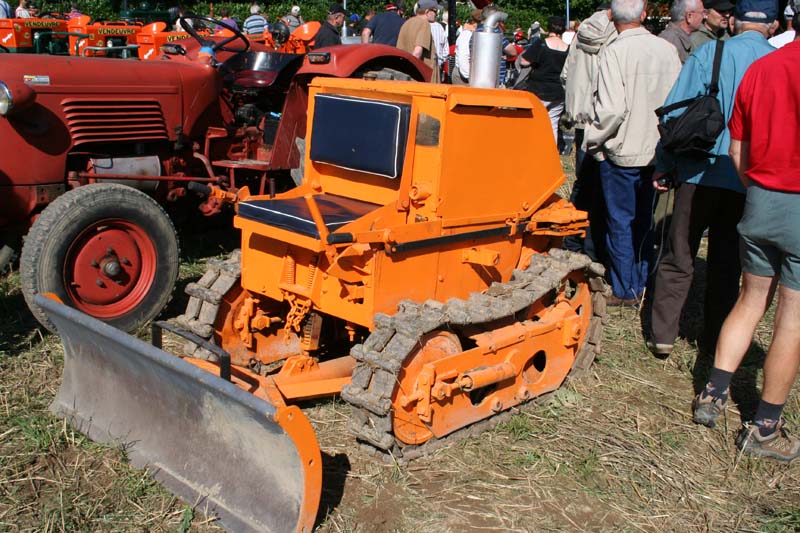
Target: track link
pixel 205 297
pixel 381 356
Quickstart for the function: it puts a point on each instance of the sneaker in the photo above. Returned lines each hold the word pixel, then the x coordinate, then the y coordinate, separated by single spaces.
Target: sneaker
pixel 706 409
pixel 777 445
pixel 660 350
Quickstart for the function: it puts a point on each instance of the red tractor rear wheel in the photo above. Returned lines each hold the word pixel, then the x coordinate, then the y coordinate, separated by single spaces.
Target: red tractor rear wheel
pixel 106 249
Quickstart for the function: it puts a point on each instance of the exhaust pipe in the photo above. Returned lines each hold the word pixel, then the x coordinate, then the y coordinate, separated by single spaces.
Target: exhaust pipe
pixel 487 53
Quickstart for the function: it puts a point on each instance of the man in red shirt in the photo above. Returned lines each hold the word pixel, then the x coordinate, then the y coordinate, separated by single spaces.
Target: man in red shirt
pixel 764 128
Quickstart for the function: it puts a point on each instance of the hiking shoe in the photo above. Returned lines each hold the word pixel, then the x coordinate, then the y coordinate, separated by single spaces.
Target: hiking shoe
pixel 706 409
pixel 660 350
pixel 777 445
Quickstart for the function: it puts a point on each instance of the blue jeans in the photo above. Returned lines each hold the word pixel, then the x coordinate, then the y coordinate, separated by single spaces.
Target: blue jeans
pixel 629 244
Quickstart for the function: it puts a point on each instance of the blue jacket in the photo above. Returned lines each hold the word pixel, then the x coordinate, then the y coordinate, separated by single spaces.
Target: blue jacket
pixel 695 77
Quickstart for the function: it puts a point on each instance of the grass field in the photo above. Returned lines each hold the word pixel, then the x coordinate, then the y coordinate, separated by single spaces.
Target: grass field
pixel 615 451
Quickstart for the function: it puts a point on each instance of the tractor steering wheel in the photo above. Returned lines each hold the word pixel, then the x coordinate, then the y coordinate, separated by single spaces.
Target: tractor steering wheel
pixel 189 28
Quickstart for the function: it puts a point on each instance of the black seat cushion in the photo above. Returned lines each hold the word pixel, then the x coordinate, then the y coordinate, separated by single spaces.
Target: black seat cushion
pixel 292 213
pixel 357 134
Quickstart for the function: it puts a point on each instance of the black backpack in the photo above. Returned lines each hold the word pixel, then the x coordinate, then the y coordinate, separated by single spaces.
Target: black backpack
pixel 694 132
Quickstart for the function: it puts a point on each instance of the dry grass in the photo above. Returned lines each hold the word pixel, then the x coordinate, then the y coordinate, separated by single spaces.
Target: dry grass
pixel 615 451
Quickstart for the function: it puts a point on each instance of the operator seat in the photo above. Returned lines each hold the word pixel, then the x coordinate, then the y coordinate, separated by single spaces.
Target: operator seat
pixel 373 144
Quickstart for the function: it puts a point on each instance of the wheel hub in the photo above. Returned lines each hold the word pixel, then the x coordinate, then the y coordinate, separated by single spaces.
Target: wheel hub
pixel 109 267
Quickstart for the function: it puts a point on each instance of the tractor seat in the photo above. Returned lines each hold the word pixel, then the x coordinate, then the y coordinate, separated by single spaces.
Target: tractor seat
pixel 292 213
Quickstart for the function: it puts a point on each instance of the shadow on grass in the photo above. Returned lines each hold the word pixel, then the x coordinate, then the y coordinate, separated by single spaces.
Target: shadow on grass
pixel 18 327
pixel 334 474
pixel 200 238
pixel 694 329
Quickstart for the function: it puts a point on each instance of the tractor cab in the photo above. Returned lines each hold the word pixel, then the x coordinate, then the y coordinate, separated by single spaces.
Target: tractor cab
pixel 380 194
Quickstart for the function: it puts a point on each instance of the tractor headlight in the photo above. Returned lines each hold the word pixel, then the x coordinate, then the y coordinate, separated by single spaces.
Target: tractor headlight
pixel 15 98
pixel 6 101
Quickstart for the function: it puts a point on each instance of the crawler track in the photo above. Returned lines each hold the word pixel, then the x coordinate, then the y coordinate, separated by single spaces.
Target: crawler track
pixel 381 356
pixel 205 296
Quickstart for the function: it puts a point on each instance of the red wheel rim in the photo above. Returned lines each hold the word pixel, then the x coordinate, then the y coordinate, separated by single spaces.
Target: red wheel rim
pixel 109 268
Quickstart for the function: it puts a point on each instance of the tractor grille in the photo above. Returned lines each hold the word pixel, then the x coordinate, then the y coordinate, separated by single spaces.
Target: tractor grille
pixel 92 121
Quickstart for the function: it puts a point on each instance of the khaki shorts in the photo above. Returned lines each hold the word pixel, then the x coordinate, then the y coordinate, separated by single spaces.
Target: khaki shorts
pixel 770 235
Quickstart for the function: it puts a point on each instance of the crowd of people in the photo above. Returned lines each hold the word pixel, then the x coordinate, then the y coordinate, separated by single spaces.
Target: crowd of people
pixel 742 193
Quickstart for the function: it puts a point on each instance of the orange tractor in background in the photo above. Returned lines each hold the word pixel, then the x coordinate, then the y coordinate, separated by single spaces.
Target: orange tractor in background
pixel 104 38
pixel 33 35
pixel 154 36
pixel 82 37
pixel 77 36
pixel 421 280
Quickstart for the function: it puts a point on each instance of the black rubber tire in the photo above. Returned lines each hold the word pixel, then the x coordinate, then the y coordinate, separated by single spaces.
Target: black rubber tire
pixel 42 264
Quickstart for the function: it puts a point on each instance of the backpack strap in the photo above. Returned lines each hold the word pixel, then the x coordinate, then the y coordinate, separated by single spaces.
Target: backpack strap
pixel 713 89
pixel 663 110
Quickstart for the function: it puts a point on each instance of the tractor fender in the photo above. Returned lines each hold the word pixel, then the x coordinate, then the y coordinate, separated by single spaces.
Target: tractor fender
pixel 347 59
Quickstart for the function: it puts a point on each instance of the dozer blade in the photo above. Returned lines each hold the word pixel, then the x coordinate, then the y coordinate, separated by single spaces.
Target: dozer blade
pixel 255 465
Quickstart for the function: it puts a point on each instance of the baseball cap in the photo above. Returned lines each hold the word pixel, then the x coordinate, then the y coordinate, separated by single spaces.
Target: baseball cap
pixel 295 10
pixel 336 9
pixel 428 4
pixel 354 18
pixel 718 5
pixel 788 12
pixel 768 7
pixel 391 7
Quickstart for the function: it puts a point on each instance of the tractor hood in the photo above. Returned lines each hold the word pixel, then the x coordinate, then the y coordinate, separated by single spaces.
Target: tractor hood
pixel 156 97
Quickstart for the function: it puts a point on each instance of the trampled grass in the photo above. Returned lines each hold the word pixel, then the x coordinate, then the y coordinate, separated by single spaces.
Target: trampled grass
pixel 615 451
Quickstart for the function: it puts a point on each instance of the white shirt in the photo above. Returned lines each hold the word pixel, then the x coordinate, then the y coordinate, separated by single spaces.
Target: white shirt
pixel 180 27
pixel 440 42
pixel 463 56
pixel 23 13
pixel 782 39
pixel 567 36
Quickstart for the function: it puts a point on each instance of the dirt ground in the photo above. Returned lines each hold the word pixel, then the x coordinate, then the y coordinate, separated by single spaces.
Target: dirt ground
pixel 615 451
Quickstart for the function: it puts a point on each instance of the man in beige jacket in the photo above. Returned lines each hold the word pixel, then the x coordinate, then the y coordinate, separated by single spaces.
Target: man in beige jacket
pixel 636 72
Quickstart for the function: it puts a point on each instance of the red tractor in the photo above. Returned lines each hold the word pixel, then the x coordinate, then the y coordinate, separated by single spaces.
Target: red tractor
pixel 93 146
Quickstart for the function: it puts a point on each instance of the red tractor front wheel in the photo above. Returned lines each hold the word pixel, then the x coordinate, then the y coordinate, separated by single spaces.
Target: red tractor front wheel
pixel 106 249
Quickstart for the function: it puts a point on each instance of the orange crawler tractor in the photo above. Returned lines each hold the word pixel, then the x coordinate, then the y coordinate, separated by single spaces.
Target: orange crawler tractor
pixel 417 276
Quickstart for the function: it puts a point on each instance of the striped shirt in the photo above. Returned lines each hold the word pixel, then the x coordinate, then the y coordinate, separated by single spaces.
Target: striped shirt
pixel 255 24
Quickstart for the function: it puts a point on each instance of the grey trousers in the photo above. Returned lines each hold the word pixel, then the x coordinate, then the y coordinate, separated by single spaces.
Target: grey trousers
pixel 698 208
